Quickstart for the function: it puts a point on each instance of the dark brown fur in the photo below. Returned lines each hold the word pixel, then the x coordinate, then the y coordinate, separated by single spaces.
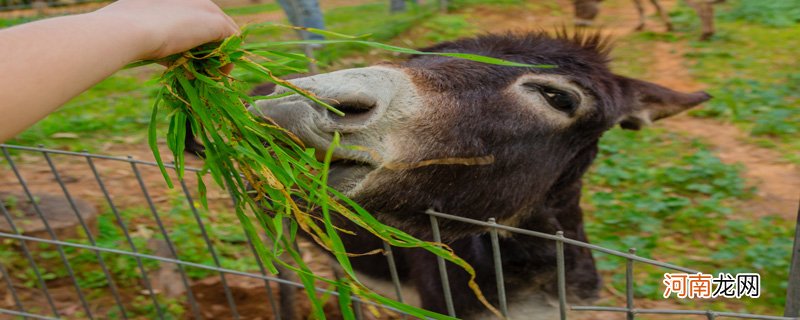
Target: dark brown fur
pixel 535 179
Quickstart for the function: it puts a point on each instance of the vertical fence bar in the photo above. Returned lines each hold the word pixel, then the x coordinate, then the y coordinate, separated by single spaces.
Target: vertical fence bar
pixel 27 253
pixel 398 289
pixel 89 236
pixel 11 289
pixel 448 296
pixel 270 295
pixel 123 226
pixel 214 256
pixel 498 269
pixel 50 232
pixel 562 282
pixel 629 285
pixel 393 271
pixel 793 288
pixel 358 312
pixel 170 246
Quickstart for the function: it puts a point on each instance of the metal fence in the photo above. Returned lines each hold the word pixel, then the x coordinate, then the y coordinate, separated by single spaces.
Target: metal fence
pixel 118 184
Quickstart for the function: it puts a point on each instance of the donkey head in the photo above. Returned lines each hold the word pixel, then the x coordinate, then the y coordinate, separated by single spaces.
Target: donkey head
pixel 469 138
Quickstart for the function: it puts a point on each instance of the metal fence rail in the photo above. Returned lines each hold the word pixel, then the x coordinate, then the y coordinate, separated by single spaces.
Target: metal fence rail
pixel 107 174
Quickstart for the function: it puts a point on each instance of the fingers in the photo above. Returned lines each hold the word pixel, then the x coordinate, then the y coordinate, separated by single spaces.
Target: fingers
pixel 232 23
pixel 174 26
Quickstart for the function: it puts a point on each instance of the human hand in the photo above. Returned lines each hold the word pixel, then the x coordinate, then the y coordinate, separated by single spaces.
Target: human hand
pixel 171 26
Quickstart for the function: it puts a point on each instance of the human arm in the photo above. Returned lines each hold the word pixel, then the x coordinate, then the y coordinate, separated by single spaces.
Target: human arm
pixel 46 63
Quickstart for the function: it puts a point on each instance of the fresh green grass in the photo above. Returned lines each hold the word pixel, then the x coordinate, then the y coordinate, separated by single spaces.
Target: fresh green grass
pixel 446 27
pixel 10 22
pixel 770 13
pixel 673 200
pixel 627 57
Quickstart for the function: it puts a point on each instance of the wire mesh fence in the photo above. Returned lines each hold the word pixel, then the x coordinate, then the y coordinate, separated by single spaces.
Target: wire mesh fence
pixel 94 236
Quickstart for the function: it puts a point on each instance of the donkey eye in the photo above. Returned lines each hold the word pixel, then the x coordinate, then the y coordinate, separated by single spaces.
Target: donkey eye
pixel 561 100
pixel 558 99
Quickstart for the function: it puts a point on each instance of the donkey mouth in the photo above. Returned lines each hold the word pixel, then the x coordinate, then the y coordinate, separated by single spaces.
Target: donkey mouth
pixel 345 175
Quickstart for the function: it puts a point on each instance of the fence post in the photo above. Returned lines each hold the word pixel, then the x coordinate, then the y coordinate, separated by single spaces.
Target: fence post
pixel 629 285
pixel 793 288
pixel 498 268
pixel 561 273
pixel 448 296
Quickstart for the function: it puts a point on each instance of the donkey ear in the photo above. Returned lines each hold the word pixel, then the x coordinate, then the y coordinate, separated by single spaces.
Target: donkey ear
pixel 650 102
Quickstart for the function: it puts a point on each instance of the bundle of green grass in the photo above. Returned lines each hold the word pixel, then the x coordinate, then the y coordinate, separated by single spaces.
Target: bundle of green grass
pixel 272 177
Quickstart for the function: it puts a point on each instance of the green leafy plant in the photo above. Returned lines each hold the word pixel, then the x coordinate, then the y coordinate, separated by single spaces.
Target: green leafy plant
pixel 674 200
pixel 770 13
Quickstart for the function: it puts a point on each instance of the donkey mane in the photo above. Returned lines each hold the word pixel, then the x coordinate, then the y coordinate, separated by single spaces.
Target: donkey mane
pixel 595 46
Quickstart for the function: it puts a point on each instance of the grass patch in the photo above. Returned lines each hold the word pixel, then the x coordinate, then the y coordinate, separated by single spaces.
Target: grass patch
pixel 10 22
pixel 673 200
pixel 768 13
pixel 627 57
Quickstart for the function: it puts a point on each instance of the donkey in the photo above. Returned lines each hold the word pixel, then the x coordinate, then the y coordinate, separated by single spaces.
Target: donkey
pixel 587 10
pixel 479 141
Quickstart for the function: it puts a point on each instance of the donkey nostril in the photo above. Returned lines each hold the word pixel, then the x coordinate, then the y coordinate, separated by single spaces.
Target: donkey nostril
pixel 353 108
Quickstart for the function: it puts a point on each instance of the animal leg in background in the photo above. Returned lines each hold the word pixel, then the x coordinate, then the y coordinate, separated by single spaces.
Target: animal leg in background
pixel 659 9
pixel 640 9
pixel 586 11
pixel 663 14
pixel 705 10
